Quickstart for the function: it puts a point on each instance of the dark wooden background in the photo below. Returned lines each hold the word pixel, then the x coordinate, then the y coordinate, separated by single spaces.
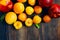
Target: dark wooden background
pixel 48 31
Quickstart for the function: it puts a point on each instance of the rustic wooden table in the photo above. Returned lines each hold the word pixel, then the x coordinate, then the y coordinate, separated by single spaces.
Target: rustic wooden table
pixel 48 31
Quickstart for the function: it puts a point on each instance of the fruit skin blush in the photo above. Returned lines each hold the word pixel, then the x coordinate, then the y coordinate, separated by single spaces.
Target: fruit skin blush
pixel 45 3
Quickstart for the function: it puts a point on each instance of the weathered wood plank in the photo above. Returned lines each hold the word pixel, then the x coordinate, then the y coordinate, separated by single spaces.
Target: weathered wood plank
pixel 12 33
pixel 52 33
pixel 58 29
pixel 33 33
pixel 30 33
pixel 17 34
pixel 43 32
pixel 22 33
pixel 36 33
pixel 49 30
pixel 57 1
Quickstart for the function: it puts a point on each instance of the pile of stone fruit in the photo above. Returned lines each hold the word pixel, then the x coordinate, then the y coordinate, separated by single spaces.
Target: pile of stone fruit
pixel 29 12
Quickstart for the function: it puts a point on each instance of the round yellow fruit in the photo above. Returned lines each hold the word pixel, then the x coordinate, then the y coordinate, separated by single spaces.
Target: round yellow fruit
pixel 32 2
pixel 22 17
pixel 29 10
pixel 18 8
pixel 37 19
pixel 10 17
pixel 28 22
pixel 23 1
pixel 18 25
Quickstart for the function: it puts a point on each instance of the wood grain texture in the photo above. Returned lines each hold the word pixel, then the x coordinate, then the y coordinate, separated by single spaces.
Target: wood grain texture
pixel 22 34
pixel 57 1
pixel 48 31
pixel 17 34
pixel 33 33
pixel 58 29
